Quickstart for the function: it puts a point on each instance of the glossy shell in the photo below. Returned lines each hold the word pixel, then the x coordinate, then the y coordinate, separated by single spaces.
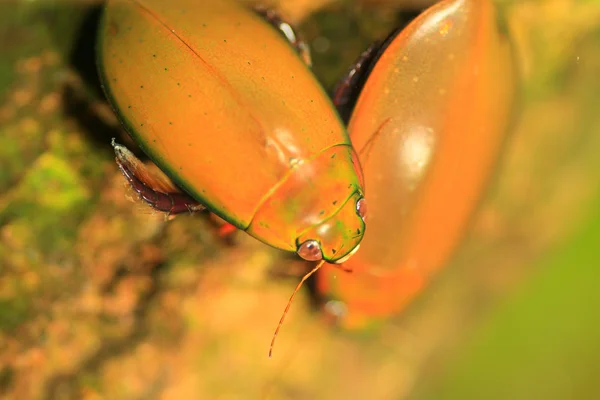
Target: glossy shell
pixel 428 126
pixel 217 98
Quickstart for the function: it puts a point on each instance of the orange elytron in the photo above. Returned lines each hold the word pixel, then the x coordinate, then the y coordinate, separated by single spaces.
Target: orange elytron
pixel 428 126
pixel 222 103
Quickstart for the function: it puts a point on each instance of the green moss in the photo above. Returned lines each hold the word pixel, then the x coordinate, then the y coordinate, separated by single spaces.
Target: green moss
pixel 13 312
pixel 49 203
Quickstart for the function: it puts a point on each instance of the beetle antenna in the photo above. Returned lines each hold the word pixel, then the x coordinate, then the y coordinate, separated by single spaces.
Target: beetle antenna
pixel 287 308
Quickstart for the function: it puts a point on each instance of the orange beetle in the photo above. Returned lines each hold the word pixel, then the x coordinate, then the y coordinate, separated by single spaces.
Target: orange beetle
pixel 428 126
pixel 229 111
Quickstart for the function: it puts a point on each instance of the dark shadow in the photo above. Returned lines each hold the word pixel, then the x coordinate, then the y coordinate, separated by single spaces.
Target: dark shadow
pixel 83 54
pixel 78 107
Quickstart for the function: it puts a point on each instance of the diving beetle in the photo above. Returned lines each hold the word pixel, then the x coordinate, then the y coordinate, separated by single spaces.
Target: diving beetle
pixel 428 112
pixel 254 139
pixel 230 112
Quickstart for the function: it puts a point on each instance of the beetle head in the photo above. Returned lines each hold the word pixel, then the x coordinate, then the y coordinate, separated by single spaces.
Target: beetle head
pixel 317 209
pixel 338 237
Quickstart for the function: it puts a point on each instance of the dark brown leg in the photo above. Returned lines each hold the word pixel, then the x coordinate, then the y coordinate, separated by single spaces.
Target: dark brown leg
pixel 288 31
pixel 347 90
pixel 342 268
pixel 154 189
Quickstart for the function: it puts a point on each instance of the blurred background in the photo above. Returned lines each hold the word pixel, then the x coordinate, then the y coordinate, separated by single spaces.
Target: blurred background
pixel 100 298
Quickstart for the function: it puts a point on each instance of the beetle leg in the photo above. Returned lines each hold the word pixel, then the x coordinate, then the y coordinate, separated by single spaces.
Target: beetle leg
pixel 342 268
pixel 225 231
pixel 288 31
pixel 345 93
pixel 347 90
pixel 154 189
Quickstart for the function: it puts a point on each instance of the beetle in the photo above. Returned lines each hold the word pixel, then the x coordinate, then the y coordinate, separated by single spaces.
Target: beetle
pixel 428 112
pixel 232 114
pixel 223 105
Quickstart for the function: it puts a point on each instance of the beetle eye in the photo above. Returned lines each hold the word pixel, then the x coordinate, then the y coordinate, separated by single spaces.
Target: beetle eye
pixel 361 208
pixel 310 251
